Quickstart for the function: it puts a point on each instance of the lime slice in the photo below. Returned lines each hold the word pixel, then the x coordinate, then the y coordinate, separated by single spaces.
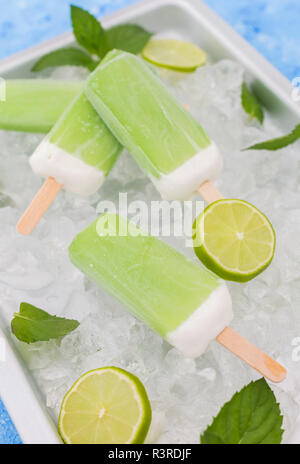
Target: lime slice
pixel 174 54
pixel 234 239
pixel 105 406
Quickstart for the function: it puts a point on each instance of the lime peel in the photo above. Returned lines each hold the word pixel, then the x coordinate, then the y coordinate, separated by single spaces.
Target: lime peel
pixel 174 54
pixel 105 406
pixel 245 251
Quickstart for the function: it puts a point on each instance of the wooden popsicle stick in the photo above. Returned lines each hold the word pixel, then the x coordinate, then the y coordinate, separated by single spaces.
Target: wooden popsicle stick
pixel 230 339
pixel 209 192
pixel 38 206
pixel 252 355
pixel 187 107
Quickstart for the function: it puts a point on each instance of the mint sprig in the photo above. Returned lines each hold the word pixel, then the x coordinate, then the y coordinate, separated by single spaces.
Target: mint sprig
pixel 33 325
pixel 87 30
pixel 95 40
pixel 65 57
pixel 128 37
pixel 278 143
pixel 251 105
pixel 252 416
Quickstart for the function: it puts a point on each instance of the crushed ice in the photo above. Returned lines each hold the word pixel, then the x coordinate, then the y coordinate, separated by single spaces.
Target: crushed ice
pixel 185 394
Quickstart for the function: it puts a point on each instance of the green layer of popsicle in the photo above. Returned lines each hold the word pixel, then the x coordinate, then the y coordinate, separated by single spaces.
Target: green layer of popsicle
pixel 34 105
pixel 158 284
pixel 158 131
pixel 82 133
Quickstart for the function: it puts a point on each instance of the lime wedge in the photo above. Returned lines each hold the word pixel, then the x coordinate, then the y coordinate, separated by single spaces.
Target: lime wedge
pixel 105 406
pixel 234 239
pixel 174 54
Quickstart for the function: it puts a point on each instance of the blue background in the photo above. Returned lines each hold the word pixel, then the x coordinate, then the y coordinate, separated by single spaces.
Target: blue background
pixel 271 26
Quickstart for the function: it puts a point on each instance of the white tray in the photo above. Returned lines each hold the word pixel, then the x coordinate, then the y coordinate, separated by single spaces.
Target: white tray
pixel 192 17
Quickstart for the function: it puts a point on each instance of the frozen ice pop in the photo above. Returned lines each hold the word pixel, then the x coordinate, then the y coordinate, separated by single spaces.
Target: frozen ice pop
pixel 181 300
pixel 167 142
pixel 35 105
pixel 77 155
pixel 185 303
pixel 79 151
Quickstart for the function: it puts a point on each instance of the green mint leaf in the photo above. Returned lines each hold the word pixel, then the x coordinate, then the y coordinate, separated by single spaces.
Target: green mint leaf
pixel 65 57
pixel 87 30
pixel 128 37
pixel 278 143
pixel 251 417
pixel 32 325
pixel 251 105
pixel 103 45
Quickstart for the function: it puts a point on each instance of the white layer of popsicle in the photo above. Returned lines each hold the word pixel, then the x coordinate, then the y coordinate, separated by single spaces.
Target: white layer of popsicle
pixel 77 177
pixel 194 335
pixel 183 182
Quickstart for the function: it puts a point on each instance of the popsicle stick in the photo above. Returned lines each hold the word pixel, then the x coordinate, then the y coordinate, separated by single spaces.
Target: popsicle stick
pixel 209 192
pixel 187 107
pixel 252 355
pixel 38 206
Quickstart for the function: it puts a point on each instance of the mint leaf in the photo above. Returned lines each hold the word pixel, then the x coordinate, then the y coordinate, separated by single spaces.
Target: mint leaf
pixel 90 34
pixel 128 37
pixel 64 57
pixel 251 417
pixel 251 105
pixel 278 143
pixel 32 325
pixel 87 30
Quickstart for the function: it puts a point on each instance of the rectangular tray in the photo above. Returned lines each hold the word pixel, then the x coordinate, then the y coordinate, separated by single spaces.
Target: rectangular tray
pixel 190 17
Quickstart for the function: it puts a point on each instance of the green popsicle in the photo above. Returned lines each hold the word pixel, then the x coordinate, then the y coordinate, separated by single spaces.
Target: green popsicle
pixel 79 151
pixel 178 298
pixel 34 105
pixel 167 142
pixel 76 155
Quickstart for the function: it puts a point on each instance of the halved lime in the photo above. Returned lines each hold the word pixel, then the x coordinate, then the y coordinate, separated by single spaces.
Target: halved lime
pixel 105 406
pixel 234 239
pixel 174 54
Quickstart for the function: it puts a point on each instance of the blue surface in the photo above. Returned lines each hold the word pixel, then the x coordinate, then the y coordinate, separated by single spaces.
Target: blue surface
pixel 271 26
pixel 8 433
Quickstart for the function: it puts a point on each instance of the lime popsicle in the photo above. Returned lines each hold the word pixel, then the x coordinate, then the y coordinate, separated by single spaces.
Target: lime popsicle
pixel 167 142
pixel 186 304
pixel 79 151
pixel 35 105
pixel 76 155
pixel 178 298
